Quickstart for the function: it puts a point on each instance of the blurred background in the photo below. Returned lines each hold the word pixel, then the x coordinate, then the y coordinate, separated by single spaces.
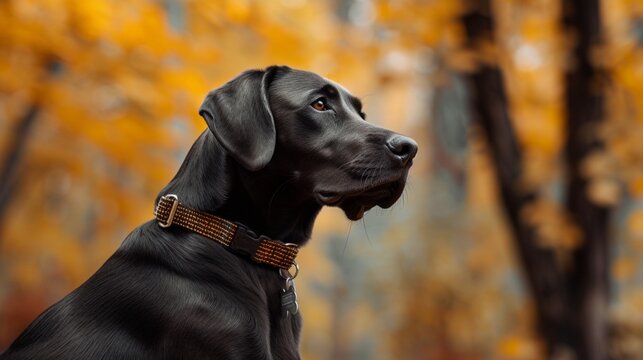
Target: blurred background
pixel 519 236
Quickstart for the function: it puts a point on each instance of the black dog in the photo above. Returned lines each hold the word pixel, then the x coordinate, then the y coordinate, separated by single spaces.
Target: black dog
pixel 281 144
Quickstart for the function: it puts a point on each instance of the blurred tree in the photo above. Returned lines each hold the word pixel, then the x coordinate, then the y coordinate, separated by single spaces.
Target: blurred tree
pixel 538 78
pixel 490 104
pixel 571 297
pixel 589 198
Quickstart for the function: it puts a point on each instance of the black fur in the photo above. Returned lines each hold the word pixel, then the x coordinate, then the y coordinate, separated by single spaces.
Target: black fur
pixel 270 161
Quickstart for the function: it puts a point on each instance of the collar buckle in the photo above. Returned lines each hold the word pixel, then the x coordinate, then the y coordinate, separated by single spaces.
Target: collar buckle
pixel 246 241
pixel 175 204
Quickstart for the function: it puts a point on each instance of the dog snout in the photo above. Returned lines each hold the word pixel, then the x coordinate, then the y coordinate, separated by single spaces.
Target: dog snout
pixel 402 148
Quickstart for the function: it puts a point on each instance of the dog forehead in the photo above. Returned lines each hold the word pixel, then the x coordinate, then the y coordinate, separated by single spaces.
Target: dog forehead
pixel 300 83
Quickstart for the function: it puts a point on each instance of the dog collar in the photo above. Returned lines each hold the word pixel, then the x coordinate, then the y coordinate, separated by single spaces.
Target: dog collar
pixel 233 236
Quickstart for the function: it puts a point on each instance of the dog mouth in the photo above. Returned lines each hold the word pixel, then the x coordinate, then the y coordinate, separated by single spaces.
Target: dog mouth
pixel 356 203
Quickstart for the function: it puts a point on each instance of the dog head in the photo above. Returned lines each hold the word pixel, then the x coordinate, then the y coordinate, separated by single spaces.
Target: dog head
pixel 315 131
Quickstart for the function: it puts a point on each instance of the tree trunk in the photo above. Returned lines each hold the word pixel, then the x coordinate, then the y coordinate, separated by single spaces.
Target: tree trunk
pixel 18 143
pixel 14 154
pixel 589 279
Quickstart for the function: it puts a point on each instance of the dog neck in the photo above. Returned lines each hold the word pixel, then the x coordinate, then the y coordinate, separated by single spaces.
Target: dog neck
pixel 269 201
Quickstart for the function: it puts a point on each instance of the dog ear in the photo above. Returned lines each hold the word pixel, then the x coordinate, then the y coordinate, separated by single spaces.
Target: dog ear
pixel 238 114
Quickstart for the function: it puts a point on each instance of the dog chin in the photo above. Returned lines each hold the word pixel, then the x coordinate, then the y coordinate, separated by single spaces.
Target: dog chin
pixel 355 207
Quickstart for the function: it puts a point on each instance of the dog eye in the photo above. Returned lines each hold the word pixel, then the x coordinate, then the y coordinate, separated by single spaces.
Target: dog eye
pixel 319 105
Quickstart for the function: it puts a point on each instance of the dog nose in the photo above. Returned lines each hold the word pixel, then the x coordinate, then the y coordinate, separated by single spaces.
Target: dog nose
pixel 404 148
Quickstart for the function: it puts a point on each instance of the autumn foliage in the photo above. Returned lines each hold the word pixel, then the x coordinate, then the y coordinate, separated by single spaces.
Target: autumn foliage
pixel 98 107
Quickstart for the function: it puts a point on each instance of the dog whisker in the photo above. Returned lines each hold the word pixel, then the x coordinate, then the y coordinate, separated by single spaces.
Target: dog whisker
pixel 352 162
pixel 375 174
pixel 363 178
pixel 368 238
pixel 350 226
pixel 367 176
pixel 379 170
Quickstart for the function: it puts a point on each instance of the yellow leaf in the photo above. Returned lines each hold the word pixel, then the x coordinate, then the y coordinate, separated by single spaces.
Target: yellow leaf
pixel 516 347
pixel 623 268
pixel 635 223
pixel 604 191
pixel 636 187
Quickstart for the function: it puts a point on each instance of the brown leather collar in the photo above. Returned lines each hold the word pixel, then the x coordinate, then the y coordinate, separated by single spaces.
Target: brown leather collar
pixel 234 236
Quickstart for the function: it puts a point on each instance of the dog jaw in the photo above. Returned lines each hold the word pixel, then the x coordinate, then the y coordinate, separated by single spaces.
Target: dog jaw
pixel 356 203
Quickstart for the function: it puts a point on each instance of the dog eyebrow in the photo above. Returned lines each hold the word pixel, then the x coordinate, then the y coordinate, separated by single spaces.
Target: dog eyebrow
pixel 330 90
pixel 357 103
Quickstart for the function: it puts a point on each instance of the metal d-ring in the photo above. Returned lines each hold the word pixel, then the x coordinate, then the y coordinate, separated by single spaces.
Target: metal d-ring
pixel 285 273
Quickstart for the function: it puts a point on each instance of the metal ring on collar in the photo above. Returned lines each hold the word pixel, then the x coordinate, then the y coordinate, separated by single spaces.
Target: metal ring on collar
pixel 286 274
